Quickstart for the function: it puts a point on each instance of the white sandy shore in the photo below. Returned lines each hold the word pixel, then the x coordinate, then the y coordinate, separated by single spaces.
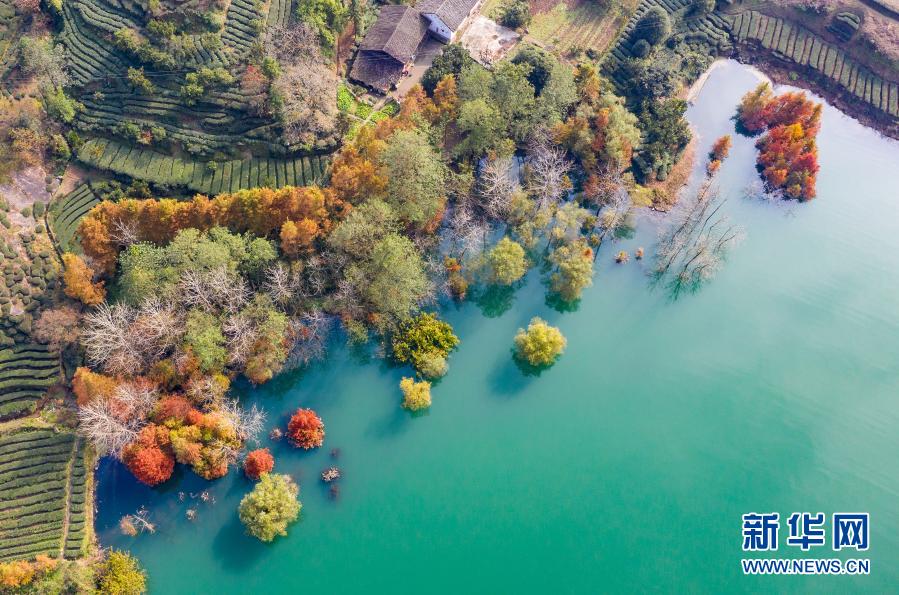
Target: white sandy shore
pixel 696 88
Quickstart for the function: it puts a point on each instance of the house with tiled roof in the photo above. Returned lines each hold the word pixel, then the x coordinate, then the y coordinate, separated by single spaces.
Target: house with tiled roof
pixel 447 17
pixel 391 44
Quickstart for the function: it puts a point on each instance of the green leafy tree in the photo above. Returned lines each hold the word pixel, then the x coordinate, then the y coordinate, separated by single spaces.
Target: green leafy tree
pixel 120 574
pixel 416 177
pixel 540 344
pixel 654 26
pixel 393 280
pixel 203 335
pixel 506 263
pixel 59 105
pixel 365 226
pixel 425 341
pixel 514 95
pixel 140 81
pixel 326 17
pixel 515 14
pixel 573 269
pixel 666 134
pixel 451 61
pixel 270 507
pixel 481 125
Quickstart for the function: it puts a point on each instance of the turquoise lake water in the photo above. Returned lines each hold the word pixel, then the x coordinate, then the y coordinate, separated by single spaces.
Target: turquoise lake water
pixel 627 466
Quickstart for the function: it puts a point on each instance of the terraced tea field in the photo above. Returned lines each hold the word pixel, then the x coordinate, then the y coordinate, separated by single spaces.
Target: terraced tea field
pixel 710 30
pixel 66 212
pixel 227 176
pixel 25 373
pixel 220 123
pixel 43 488
pixel 794 44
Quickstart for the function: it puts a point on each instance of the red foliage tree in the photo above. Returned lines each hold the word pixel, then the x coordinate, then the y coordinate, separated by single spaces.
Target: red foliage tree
pixel 258 462
pixel 306 429
pixel 149 457
pixel 172 407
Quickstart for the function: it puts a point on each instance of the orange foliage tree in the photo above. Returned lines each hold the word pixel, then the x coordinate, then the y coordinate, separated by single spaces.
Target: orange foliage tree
pixel 788 154
pixel 258 462
pixel 79 283
pixel 260 211
pixel 88 385
pixel 150 457
pixel 306 429
pixel 297 238
pixel 720 151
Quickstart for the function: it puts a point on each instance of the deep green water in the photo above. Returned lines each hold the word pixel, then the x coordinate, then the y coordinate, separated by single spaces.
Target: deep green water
pixel 624 468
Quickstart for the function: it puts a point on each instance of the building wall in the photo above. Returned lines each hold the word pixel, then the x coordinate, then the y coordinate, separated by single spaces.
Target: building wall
pixel 439 28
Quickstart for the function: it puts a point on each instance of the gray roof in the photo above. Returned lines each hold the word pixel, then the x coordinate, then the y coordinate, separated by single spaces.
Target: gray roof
pixel 397 32
pixel 451 12
pixel 376 70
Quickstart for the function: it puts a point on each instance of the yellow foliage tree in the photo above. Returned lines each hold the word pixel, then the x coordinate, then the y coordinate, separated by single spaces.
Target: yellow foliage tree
pixel 416 395
pixel 79 283
pixel 88 385
pixel 297 238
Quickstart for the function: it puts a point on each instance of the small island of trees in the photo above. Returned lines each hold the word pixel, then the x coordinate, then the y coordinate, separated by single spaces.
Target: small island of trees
pixel 788 154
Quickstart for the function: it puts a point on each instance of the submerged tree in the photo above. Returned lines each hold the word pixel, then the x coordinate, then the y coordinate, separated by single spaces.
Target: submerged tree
pixel 270 507
pixel 540 344
pixel 692 249
pixel 416 395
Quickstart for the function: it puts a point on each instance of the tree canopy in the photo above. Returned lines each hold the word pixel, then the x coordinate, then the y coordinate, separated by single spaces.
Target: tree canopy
pixel 267 511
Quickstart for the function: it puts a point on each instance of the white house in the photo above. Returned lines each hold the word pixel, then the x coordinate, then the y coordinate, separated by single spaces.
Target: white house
pixel 447 17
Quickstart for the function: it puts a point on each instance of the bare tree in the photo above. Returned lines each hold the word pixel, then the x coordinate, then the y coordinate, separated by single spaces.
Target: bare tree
pixel 139 522
pixel 157 328
pixel 306 86
pixel 241 333
pixel 123 233
pixel 281 283
pixel 467 232
pixel 248 423
pixel 111 424
pixel 108 342
pixel 123 340
pixel 612 216
pixel 205 390
pixel 692 249
pixel 547 171
pixel 310 334
pixel 602 187
pixel 217 290
pixel 497 183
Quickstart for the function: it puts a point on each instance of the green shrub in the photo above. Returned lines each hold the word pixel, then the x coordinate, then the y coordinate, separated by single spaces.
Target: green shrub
pixel 515 14
pixel 641 48
pixel 345 99
pixel 654 26
pixel 540 344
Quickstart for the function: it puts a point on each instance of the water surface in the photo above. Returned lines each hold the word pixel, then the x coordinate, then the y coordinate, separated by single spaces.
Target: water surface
pixel 624 468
